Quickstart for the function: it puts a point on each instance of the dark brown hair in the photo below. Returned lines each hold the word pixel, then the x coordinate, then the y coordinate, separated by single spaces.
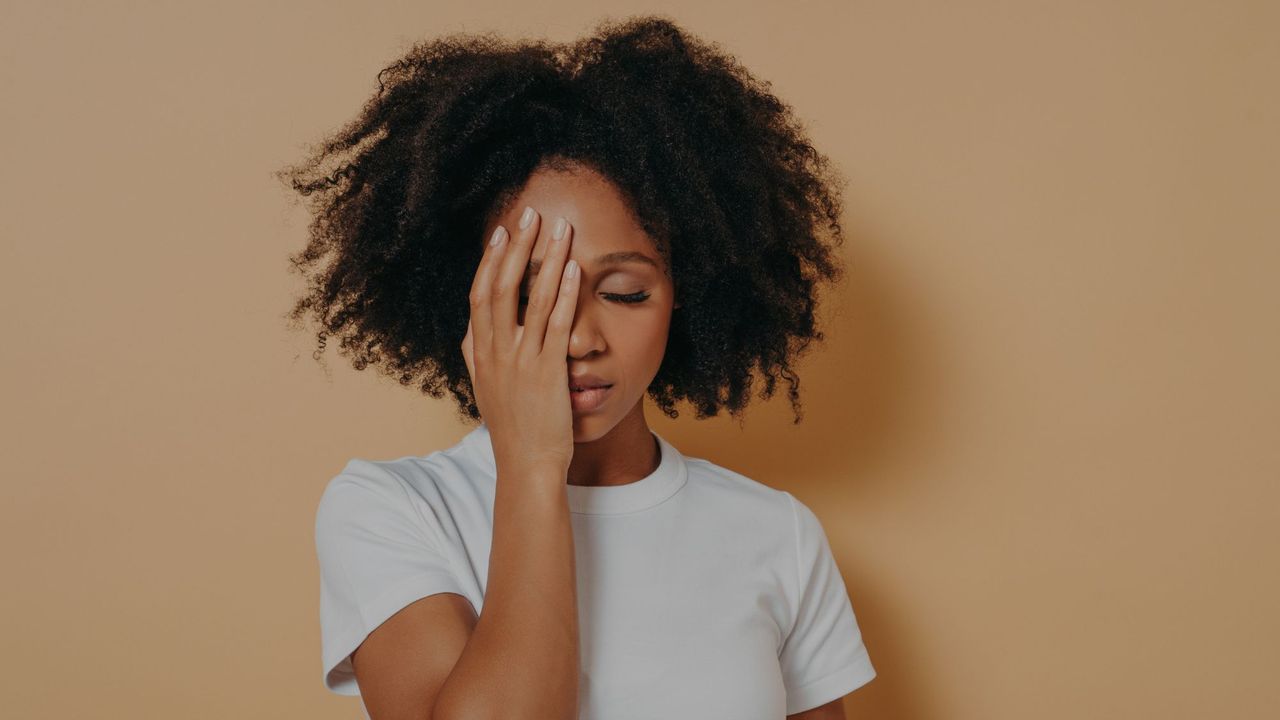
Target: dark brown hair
pixel 717 170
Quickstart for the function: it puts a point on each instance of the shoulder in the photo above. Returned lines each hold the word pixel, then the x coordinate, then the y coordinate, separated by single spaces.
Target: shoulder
pixel 364 494
pixel 726 480
pixel 754 501
pixel 741 496
pixel 401 483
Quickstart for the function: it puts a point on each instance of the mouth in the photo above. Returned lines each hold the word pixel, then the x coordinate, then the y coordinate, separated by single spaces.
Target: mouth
pixel 586 399
pixel 584 388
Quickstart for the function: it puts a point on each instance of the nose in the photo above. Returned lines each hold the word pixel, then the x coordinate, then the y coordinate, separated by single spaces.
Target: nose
pixel 584 336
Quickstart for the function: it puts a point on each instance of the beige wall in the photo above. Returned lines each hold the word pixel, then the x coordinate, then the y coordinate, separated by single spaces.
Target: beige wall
pixel 1041 437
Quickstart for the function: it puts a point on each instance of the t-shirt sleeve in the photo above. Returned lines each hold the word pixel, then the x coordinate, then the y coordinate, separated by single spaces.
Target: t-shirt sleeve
pixel 823 657
pixel 376 555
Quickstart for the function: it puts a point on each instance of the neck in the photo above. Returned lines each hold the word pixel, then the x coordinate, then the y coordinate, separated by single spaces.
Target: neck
pixel 625 454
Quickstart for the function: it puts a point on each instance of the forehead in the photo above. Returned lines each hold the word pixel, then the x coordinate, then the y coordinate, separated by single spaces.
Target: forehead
pixel 601 218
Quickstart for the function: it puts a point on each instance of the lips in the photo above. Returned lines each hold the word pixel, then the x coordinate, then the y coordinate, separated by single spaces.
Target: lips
pixel 587 381
pixel 584 401
pixel 587 392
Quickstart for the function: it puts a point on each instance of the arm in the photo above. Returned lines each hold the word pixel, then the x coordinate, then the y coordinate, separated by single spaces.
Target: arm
pixel 402 665
pixel 833 710
pixel 435 660
pixel 522 659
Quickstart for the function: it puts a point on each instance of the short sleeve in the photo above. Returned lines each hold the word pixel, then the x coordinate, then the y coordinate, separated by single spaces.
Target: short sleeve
pixel 376 556
pixel 822 657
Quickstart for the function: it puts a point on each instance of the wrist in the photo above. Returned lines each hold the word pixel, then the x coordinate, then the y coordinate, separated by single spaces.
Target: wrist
pixel 534 474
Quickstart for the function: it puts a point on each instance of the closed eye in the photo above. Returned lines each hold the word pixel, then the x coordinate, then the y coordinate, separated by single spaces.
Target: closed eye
pixel 628 298
pixel 615 297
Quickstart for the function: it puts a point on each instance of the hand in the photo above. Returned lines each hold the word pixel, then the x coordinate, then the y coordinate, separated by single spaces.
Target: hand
pixel 519 374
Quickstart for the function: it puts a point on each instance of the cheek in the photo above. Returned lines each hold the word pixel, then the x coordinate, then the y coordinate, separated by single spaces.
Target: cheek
pixel 642 340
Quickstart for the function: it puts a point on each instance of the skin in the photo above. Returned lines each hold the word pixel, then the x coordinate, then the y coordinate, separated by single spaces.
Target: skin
pixel 833 710
pixel 621 342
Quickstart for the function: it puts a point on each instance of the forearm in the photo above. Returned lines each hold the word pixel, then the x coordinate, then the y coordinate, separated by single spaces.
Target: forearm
pixel 521 660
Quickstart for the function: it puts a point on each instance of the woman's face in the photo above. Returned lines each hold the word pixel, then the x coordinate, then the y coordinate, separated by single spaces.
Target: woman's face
pixel 622 342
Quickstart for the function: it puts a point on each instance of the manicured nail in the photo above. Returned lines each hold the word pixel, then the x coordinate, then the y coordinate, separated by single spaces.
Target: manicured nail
pixel 526 218
pixel 560 226
pixel 497 236
pixel 571 269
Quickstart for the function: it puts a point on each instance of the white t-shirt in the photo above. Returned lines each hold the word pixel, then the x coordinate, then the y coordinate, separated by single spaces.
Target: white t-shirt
pixel 701 592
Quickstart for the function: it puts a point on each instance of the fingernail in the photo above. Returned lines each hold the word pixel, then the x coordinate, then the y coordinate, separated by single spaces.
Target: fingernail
pixel 571 269
pixel 496 237
pixel 526 218
pixel 560 227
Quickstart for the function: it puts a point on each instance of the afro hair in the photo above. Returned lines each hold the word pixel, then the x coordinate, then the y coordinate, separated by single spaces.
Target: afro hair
pixel 716 169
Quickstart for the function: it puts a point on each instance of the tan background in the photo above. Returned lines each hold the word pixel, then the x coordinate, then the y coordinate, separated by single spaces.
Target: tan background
pixel 1041 437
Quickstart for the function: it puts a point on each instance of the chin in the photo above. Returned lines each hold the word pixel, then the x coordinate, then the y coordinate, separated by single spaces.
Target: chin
pixel 592 427
pixel 589 428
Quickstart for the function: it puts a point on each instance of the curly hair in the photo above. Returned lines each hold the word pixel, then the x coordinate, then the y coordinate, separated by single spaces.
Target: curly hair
pixel 716 169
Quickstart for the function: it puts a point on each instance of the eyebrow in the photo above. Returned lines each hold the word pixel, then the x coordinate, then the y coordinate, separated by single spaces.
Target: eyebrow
pixel 613 258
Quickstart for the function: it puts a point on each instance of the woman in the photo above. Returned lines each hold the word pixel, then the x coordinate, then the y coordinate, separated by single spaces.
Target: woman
pixel 653 218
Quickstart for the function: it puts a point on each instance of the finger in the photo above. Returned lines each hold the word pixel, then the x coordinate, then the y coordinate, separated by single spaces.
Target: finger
pixel 468 352
pixel 481 321
pixel 504 295
pixel 546 288
pixel 556 342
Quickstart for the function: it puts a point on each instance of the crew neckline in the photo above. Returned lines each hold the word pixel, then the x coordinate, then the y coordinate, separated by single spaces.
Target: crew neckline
pixel 666 479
